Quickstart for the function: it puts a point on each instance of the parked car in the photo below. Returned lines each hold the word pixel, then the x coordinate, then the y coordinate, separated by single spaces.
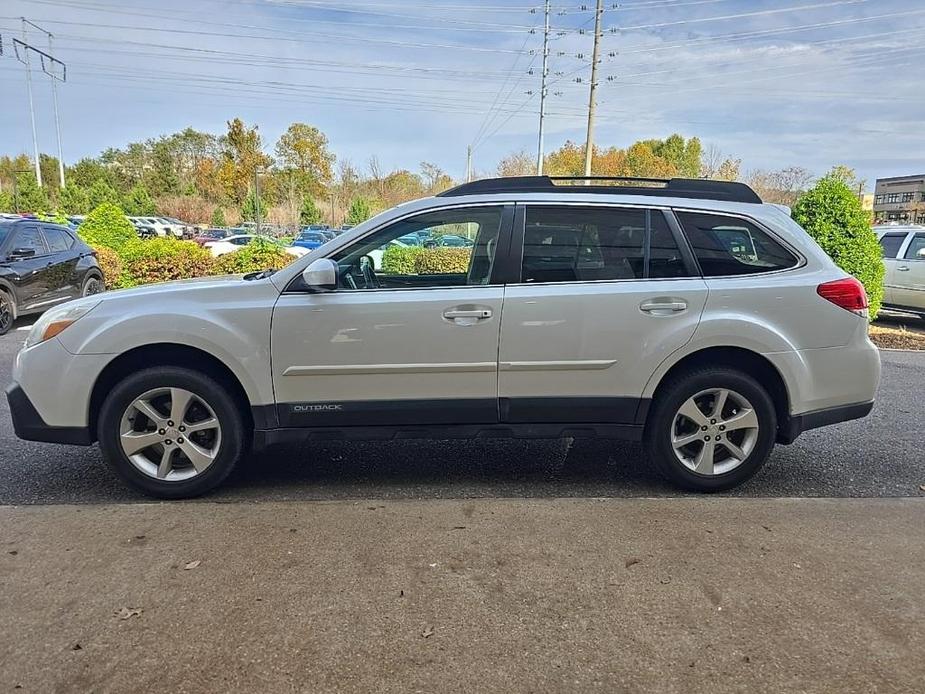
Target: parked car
pixel 231 244
pixel 904 259
pixel 447 240
pixel 628 312
pixel 42 265
pixel 207 235
pixel 309 240
pixel 145 230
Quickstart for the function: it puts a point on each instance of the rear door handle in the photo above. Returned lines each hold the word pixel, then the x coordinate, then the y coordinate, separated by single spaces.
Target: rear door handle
pixel 903 268
pixel 663 307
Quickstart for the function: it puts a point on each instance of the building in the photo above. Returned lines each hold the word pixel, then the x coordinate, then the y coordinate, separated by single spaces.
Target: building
pixel 900 199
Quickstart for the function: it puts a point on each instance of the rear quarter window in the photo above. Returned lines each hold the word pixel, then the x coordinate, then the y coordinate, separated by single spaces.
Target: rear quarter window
pixel 890 243
pixel 726 246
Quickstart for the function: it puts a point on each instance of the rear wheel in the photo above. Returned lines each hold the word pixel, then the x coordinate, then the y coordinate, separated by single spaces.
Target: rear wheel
pixel 7 312
pixel 93 284
pixel 711 429
pixel 171 432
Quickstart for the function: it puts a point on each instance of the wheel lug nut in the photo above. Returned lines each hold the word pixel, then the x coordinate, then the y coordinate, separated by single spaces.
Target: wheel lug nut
pixel 706 438
pixel 164 431
pixel 182 428
pixel 712 421
pixel 719 438
pixel 179 439
pixel 169 423
pixel 701 429
pixel 168 442
pixel 722 428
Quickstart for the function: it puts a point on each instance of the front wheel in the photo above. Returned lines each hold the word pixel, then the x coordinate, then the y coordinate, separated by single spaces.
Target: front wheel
pixel 171 432
pixel 711 429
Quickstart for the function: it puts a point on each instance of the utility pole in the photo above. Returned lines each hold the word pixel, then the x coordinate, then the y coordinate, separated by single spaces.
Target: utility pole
pixel 543 89
pixel 54 96
pixel 468 163
pixel 589 141
pixel 257 197
pixel 35 139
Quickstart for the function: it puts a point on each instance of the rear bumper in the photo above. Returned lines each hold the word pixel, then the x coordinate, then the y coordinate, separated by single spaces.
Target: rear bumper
pixel 799 423
pixel 29 425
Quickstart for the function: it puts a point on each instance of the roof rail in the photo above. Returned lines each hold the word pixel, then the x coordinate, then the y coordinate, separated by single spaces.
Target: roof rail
pixel 695 188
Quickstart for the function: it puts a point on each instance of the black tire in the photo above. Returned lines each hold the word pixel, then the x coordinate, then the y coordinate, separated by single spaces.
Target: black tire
pixel 226 409
pixel 7 312
pixel 93 284
pixel 673 394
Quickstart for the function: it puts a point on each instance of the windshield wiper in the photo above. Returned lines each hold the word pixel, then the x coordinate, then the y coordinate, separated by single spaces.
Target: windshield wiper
pixel 262 274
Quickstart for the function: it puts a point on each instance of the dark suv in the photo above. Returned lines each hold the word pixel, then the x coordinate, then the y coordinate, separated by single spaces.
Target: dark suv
pixel 42 265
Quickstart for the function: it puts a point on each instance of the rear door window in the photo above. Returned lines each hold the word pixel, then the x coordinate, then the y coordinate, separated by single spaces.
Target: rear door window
pixel 890 244
pixel 584 244
pixel 726 246
pixel 29 238
pixel 57 239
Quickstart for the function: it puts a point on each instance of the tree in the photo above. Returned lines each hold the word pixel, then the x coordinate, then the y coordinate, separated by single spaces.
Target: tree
pixel 436 180
pixel 782 187
pixel 683 156
pixel 108 227
pixel 74 200
pixel 101 192
pixel 309 213
pixel 139 202
pixel 6 201
pixel 218 217
pixel 360 210
pixel 251 206
pixel 831 213
pixel 519 163
pixel 242 156
pixel 304 149
pixel 717 166
pixel 29 196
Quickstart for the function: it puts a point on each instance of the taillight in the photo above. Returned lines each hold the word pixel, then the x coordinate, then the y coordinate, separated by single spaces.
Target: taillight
pixel 847 293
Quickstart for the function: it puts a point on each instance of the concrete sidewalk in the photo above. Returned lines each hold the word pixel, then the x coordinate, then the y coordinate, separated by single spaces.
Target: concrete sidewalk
pixel 679 595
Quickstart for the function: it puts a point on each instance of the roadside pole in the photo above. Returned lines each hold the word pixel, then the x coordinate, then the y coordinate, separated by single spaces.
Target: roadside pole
pixel 35 139
pixel 543 89
pixel 595 54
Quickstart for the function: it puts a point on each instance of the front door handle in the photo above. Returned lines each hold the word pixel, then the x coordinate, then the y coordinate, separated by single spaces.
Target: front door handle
pixel 477 313
pixel 663 307
pixel 903 268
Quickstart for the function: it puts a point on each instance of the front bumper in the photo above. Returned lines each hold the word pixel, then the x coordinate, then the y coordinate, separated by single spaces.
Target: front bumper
pixel 29 425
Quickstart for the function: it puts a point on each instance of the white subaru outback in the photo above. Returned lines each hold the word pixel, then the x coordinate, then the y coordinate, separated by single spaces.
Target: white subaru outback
pixel 686 315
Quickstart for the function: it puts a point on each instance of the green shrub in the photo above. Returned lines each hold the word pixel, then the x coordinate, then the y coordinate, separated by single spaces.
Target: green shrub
pixel 107 226
pixel 440 260
pixel 259 254
pixel 831 213
pixel 218 217
pixel 163 259
pixel 399 260
pixel 110 264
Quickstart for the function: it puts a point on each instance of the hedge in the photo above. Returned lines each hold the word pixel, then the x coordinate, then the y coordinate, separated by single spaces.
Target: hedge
pixel 832 214
pixel 440 260
pixel 400 260
pixel 257 255
pixel 110 264
pixel 106 226
pixel 163 259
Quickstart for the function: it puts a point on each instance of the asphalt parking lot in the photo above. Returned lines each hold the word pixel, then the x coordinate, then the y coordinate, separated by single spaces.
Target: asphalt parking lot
pixel 880 456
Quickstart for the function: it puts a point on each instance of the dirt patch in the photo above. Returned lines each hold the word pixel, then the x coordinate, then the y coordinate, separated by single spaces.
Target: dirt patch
pixel 888 337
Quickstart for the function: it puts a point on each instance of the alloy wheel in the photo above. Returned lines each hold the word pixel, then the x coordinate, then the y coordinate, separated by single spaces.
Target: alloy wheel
pixel 6 313
pixel 93 286
pixel 170 434
pixel 714 431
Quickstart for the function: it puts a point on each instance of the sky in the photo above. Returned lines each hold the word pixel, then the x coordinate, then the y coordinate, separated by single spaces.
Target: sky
pixel 776 83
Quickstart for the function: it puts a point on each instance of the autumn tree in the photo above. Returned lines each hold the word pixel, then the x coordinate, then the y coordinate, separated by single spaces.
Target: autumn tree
pixel 242 156
pixel 783 186
pixel 520 163
pixel 303 149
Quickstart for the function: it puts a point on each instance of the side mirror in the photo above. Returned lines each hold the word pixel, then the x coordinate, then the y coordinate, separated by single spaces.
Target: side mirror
pixel 20 253
pixel 321 275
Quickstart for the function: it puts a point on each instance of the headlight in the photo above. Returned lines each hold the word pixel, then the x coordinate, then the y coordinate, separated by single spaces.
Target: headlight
pixel 55 320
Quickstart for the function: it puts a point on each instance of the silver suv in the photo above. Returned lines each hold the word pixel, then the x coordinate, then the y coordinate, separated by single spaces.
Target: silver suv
pixel 904 258
pixel 686 315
